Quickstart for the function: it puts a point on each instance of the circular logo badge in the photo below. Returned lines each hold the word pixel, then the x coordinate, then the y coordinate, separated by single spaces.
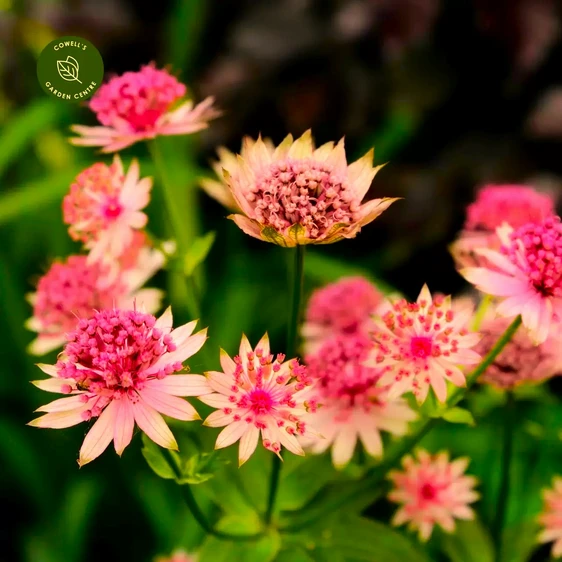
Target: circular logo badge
pixel 70 69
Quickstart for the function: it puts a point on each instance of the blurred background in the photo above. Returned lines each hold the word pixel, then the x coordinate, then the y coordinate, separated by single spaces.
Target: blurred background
pixel 452 93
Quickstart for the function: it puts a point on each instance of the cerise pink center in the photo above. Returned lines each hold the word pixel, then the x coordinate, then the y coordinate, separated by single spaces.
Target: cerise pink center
pixel 421 346
pixel 261 401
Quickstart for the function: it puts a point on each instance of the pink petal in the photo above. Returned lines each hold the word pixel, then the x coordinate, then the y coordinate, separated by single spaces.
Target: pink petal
pixel 168 405
pixel 153 424
pixel 216 400
pixel 245 348
pixel 99 436
pixel 220 382
pixel 50 370
pixel 497 259
pixel 227 364
pixel 124 425
pixel 218 418
pixel 372 209
pixel 60 420
pixel 439 385
pixel 290 442
pixel 263 344
pixel 248 444
pixel 248 226
pixel 494 283
pixel 63 404
pixel 231 433
pixel 344 446
pixel 53 385
pixel 42 344
pixel 181 385
pixel 371 439
pixel 165 322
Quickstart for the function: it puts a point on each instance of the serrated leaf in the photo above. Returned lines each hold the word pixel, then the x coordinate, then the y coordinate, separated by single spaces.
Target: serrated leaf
pixel 458 415
pixel 156 460
pixel 68 69
pixel 198 251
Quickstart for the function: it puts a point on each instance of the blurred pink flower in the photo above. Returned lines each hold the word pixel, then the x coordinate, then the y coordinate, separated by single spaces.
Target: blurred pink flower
pixel 495 205
pixel 75 289
pixel 103 208
pixel 295 195
pixel 527 271
pixel 353 407
pixel 257 393
pixel 433 491
pixel 546 118
pixel 178 556
pixel 118 366
pixel 140 105
pixel 551 517
pixel 419 345
pixel 343 307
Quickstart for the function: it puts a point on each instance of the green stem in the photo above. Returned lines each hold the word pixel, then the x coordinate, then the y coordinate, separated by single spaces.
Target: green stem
pixel 507 449
pixel 180 226
pixel 481 312
pixel 291 349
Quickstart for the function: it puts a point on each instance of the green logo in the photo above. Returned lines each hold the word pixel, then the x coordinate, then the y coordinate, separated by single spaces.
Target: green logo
pixel 70 69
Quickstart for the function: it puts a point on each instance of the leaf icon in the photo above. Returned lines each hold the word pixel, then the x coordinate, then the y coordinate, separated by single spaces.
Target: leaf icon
pixel 68 69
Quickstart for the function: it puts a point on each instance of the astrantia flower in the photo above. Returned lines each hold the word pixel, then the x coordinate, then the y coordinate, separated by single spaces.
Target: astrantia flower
pixel 520 361
pixel 142 105
pixel 297 195
pixel 118 367
pixel 178 556
pixel 104 207
pixel 74 289
pixel 353 407
pixel 218 188
pixel 527 271
pixel 418 345
pixel 257 392
pixel 433 491
pixel 343 307
pixel 515 205
pixel 551 517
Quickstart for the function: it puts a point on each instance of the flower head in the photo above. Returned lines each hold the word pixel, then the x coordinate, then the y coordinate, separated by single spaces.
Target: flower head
pixel 418 345
pixel 353 407
pixel 140 105
pixel 104 208
pixel 118 366
pixel 515 205
pixel 343 307
pixel 551 517
pixel 75 289
pixel 257 392
pixel 433 491
pixel 295 195
pixel 178 556
pixel 527 271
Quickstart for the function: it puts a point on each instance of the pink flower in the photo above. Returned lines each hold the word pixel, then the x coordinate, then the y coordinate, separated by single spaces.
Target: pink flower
pixel 259 393
pixel 527 271
pixel 433 491
pixel 104 207
pixel 75 289
pixel 178 556
pixel 353 407
pixel 520 361
pixel 494 205
pixel 140 105
pixel 551 517
pixel 418 345
pixel 118 367
pixel 343 307
pixel 295 195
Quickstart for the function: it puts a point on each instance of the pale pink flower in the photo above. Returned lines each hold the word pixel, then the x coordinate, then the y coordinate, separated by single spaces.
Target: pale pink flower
pixel 257 393
pixel 527 271
pixel 218 188
pixel 178 556
pixel 74 289
pixel 551 517
pixel 353 407
pixel 420 345
pixel 118 367
pixel 296 194
pixel 433 491
pixel 142 105
pixel 343 307
pixel 104 208
pixel 495 205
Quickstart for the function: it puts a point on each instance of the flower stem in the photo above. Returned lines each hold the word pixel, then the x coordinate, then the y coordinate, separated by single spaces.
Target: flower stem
pixel 503 492
pixel 180 226
pixel 291 349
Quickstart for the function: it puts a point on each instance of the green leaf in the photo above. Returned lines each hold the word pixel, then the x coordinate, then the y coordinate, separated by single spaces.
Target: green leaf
pixel 200 467
pixel 156 460
pixel 519 541
pixel 459 415
pixel 295 554
pixel 470 542
pixel 198 252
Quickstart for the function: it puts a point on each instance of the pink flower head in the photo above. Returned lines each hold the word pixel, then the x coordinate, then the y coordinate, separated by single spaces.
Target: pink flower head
pixel 118 367
pixel 178 556
pixel 527 271
pixel 520 361
pixel 495 205
pixel 353 407
pixel 551 517
pixel 432 491
pixel 140 105
pixel 295 195
pixel 343 307
pixel 418 345
pixel 104 206
pixel 75 289
pixel 257 392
